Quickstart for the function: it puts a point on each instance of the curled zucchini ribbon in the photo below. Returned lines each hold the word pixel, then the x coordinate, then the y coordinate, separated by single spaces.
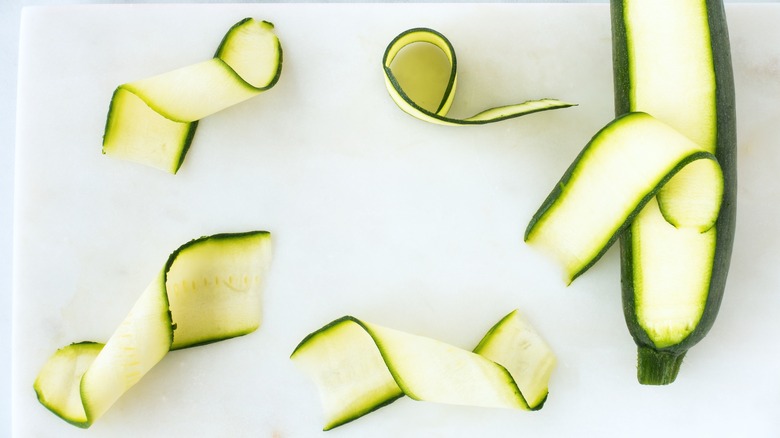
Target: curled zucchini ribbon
pixel 152 121
pixel 210 289
pixel 360 367
pixel 629 163
pixel 436 111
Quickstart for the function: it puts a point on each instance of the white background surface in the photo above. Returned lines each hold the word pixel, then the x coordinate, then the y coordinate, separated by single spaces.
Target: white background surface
pixel 9 16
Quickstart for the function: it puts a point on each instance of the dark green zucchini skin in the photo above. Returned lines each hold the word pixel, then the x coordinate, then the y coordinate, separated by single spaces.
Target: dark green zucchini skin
pixel 660 366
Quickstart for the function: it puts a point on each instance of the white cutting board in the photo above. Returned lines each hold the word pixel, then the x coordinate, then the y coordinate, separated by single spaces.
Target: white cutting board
pixel 374 214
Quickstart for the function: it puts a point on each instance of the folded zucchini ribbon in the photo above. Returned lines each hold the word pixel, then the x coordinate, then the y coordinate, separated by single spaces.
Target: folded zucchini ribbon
pixel 631 161
pixel 360 367
pixel 152 121
pixel 407 101
pixel 210 289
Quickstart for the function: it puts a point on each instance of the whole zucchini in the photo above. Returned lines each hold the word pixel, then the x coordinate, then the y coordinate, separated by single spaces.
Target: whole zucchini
pixel 671 59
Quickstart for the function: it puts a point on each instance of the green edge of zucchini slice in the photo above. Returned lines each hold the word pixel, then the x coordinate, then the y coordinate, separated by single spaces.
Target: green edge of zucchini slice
pixel 438 113
pixel 619 171
pixel 152 121
pixel 210 289
pixel 359 367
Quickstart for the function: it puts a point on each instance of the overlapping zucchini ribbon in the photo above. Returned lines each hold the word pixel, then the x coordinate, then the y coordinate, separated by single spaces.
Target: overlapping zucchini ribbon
pixel 360 367
pixel 409 101
pixel 152 121
pixel 210 289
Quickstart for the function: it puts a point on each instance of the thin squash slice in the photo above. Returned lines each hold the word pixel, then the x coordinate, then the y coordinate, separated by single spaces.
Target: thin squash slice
pixel 360 367
pixel 152 121
pixel 421 75
pixel 210 289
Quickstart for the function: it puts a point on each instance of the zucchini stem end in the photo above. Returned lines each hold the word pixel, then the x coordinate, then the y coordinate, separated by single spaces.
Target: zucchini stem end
pixel 657 367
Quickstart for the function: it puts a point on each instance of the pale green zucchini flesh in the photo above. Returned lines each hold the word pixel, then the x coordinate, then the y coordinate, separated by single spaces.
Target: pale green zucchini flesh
pixel 142 339
pixel 615 175
pixel 215 287
pixel 359 367
pixel 58 385
pixel 421 75
pixel 518 347
pixel 348 368
pixel 208 290
pixel 661 177
pixel 152 121
pixel 672 60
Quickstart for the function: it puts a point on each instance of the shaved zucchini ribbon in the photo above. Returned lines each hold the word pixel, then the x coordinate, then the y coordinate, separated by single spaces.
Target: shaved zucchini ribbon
pixel 152 121
pixel 435 111
pixel 210 289
pixel 360 367
pixel 628 163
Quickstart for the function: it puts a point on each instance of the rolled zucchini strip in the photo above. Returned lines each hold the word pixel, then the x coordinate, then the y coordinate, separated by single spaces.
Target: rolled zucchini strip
pixel 152 121
pixel 360 367
pixel 210 289
pixel 428 96
pixel 622 168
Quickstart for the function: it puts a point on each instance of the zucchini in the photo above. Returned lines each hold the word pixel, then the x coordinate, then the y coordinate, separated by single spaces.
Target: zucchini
pixel 360 367
pixel 420 91
pixel 152 121
pixel 616 174
pixel 671 59
pixel 210 289
pixel 661 177
pixel 58 382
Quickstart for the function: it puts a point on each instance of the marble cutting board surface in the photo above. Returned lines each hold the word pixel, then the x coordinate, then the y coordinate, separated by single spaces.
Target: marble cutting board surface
pixel 374 214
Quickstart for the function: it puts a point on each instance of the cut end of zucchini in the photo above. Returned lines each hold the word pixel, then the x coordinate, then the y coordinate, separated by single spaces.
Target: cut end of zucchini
pixel 657 367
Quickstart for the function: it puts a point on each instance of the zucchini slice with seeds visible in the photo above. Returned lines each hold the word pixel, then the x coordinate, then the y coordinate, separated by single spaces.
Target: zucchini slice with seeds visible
pixel 210 289
pixel 152 121
pixel 671 59
pixel 360 367
pixel 422 92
